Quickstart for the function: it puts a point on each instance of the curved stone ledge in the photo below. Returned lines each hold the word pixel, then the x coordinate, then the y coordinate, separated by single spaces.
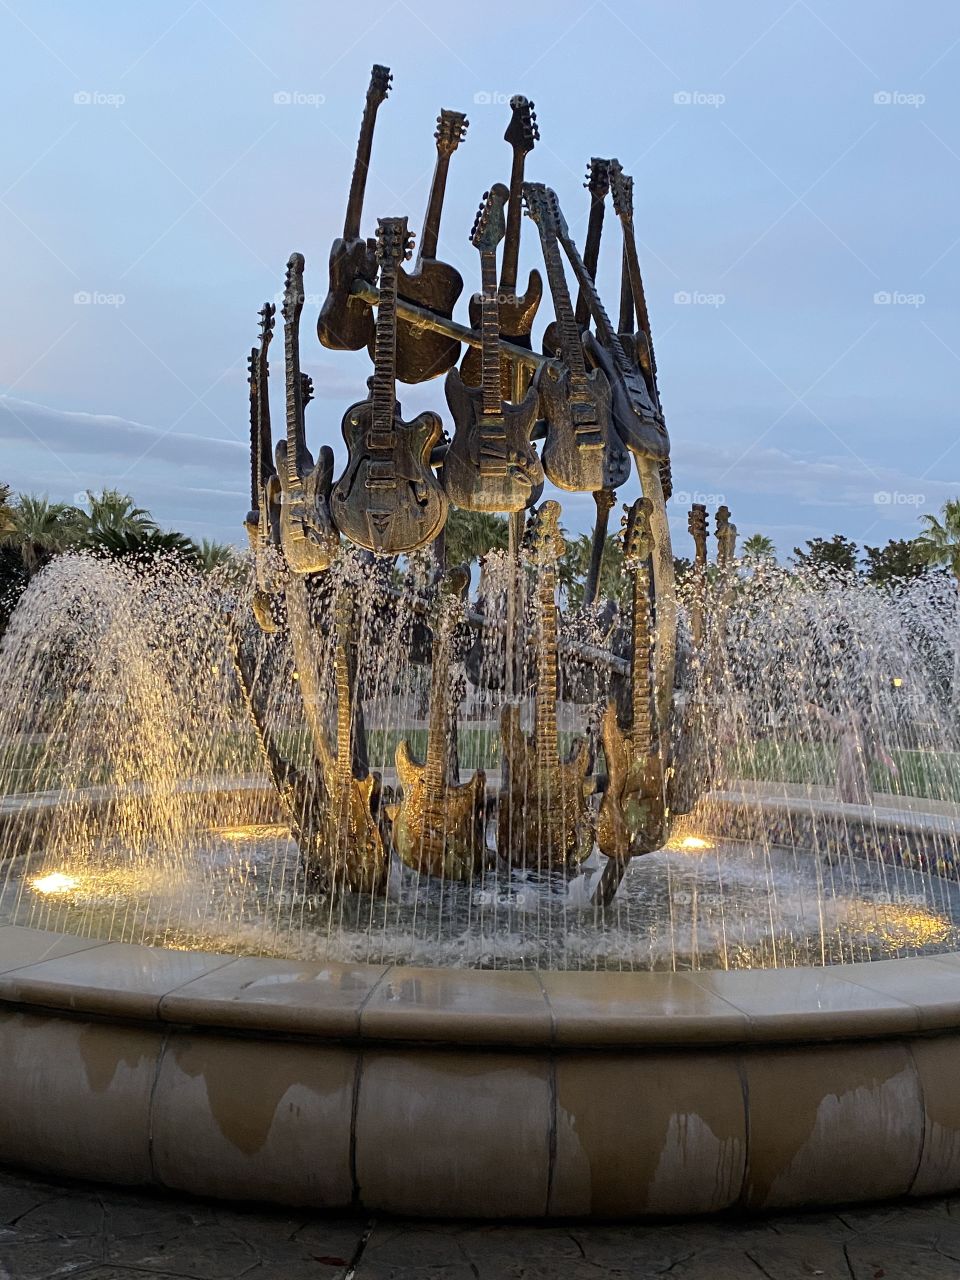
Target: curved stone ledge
pixel 465 1093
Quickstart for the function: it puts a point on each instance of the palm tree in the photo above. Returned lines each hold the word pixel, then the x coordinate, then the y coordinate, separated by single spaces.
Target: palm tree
pixel 111 509
pixel 141 544
pixel 939 543
pixel 471 534
pixel 216 555
pixel 6 511
pixel 758 547
pixel 42 529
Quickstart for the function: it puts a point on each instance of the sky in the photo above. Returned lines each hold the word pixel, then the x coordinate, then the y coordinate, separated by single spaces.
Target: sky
pixel 797 181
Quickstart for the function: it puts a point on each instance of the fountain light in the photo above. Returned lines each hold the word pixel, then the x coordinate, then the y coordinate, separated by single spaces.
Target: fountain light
pixel 690 844
pixel 55 882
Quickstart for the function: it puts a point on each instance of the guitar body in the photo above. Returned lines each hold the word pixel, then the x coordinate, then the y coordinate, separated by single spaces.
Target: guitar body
pixel 390 518
pixel 637 421
pixel 522 483
pixel 517 313
pixel 631 819
pixel 355 845
pixel 422 354
pixel 441 834
pixel 567 463
pixel 307 534
pixel 544 820
pixel 345 323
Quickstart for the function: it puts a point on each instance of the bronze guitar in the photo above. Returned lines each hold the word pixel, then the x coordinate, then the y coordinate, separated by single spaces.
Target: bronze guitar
pixel 388 499
pixel 421 353
pixel 632 812
pixel 438 827
pixel 490 464
pixel 263 522
pixel 638 346
pixel 346 323
pixel 516 312
pixel 544 820
pixel 582 451
pixel 307 535
pixel 598 184
pixel 353 842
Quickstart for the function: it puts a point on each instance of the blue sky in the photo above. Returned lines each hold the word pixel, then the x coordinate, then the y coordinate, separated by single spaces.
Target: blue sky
pixel 795 160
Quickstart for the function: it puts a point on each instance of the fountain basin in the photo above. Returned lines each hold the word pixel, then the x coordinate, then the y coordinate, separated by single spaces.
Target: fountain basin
pixel 480 1094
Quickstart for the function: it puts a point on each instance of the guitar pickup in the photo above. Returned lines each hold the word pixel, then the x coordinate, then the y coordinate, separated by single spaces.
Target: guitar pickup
pixel 380 475
pixel 492 468
pixel 583 414
pixel 589 437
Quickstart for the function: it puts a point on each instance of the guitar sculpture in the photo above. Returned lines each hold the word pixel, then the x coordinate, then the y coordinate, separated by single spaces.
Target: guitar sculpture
pixel 346 323
pixel 639 346
pixel 353 836
pixel 388 499
pixel 490 464
pixel 582 450
pixel 439 825
pixel 638 420
pixel 263 522
pixel 421 353
pixel 598 184
pixel 516 312
pixel 307 534
pixel 544 821
pixel 632 813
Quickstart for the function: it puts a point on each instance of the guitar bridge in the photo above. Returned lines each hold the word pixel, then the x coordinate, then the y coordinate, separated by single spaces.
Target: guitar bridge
pixel 381 475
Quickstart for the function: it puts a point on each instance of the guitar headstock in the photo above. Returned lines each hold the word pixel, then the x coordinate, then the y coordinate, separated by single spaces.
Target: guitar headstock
pixel 293 289
pixel 543 536
pixel 621 187
pixel 394 241
pixel 451 131
pixel 379 87
pixel 637 534
pixel 537 204
pixel 490 226
pixel 267 320
pixel 522 132
pixel 697 523
pixel 556 213
pixel 306 388
pixel 598 177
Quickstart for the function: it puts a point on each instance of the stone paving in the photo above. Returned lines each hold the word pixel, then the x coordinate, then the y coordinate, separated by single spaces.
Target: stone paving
pixel 51 1230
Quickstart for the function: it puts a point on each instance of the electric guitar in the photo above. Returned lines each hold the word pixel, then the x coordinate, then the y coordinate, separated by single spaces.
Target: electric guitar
pixel 516 312
pixel 638 346
pixel 544 820
pixel 307 534
pixel 421 353
pixel 582 450
pixel 598 184
pixel 263 521
pixel 490 464
pixel 388 499
pixel 638 420
pixel 353 843
pixel 345 323
pixel 439 824
pixel 632 812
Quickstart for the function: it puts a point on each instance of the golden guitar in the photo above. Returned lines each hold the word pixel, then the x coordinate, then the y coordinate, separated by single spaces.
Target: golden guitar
pixel 544 818
pixel 438 826
pixel 632 811
pixel 353 842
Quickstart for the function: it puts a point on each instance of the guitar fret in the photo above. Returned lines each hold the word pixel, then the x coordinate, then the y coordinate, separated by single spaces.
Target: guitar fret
pixel 490 333
pixel 546 727
pixel 384 394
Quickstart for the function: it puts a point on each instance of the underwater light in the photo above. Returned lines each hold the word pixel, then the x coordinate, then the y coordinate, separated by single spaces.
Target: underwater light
pixel 55 882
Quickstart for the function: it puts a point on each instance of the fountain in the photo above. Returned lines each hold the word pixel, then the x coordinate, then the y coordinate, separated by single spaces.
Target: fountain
pixel 348 881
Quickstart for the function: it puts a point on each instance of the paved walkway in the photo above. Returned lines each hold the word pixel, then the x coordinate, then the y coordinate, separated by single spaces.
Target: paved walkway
pixel 53 1230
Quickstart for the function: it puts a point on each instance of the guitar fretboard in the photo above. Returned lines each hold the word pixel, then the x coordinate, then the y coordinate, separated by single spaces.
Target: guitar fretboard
pixel 294 394
pixel 341 671
pixel 489 333
pixel 566 319
pixel 643 722
pixel 546 721
pixel 381 439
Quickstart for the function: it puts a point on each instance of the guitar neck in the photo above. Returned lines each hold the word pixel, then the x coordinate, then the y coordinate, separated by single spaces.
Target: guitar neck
pixel 643 721
pixel 632 268
pixel 605 329
pixel 361 166
pixel 431 222
pixel 264 428
pixel 385 358
pixel 341 671
pixel 490 334
pixel 511 244
pixel 435 764
pixel 296 444
pixel 626 296
pixel 546 717
pixel 591 255
pixel 255 460
pixel 566 320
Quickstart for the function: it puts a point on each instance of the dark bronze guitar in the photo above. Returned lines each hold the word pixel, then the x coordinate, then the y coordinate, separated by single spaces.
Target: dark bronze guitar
pixel 388 499
pixel 421 353
pixel 307 535
pixel 582 451
pixel 490 464
pixel 632 814
pixel 516 311
pixel 263 522
pixel 638 420
pixel 544 819
pixel 638 346
pixel 346 323
pixel 598 184
pixel 353 841
pixel 439 824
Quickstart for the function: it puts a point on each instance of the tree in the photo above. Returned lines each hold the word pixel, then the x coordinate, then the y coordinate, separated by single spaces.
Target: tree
pixel 6 511
pixel 900 560
pixel 839 555
pixel 216 555
pixel 758 547
pixel 142 544
pixel 42 529
pixel 471 534
pixel 939 543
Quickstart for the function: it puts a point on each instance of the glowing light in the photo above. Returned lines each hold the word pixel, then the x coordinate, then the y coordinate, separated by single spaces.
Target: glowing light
pixel 296 675
pixel 253 831
pixel 897 681
pixel 55 882
pixel 691 844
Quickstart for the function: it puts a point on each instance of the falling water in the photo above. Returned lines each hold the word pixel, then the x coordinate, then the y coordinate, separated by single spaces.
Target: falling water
pixel 135 803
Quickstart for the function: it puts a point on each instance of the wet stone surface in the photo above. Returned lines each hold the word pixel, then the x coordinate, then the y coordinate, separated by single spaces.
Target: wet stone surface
pixel 50 1230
